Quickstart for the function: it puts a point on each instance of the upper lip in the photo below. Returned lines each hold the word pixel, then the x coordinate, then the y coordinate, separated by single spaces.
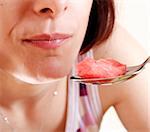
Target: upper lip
pixel 48 37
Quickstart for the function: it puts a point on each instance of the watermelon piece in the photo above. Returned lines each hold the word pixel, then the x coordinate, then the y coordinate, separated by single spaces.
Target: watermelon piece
pixel 102 68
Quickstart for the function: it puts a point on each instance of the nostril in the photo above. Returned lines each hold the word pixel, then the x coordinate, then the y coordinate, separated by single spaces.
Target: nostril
pixel 65 8
pixel 46 10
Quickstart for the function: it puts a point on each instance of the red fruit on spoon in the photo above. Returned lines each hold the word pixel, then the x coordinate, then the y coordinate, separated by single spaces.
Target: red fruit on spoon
pixel 102 68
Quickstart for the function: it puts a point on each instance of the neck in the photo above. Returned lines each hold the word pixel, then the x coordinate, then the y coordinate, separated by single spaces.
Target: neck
pixel 14 91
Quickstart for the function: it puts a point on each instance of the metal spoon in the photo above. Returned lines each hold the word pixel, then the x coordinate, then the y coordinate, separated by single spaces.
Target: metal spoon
pixel 132 71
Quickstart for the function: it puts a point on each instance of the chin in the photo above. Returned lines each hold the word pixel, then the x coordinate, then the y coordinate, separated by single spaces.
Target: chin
pixel 49 68
pixel 54 71
pixel 57 73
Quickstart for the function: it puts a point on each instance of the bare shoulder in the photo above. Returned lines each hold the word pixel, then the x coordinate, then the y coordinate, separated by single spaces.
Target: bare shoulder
pixel 121 46
pixel 124 48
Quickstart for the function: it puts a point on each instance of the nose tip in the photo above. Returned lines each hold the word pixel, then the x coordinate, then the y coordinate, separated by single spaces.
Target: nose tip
pixel 49 8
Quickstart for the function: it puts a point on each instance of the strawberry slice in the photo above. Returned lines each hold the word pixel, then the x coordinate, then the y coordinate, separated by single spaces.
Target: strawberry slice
pixel 103 68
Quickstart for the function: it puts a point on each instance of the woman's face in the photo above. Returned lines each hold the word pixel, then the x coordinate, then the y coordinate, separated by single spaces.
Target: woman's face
pixel 41 38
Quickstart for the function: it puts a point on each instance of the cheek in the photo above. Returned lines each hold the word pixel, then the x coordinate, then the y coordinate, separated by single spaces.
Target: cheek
pixel 11 13
pixel 82 20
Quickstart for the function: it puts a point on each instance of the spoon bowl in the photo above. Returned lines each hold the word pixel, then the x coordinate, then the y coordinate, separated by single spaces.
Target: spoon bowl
pixel 131 72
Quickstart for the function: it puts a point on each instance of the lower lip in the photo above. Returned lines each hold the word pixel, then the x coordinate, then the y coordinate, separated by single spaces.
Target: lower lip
pixel 45 44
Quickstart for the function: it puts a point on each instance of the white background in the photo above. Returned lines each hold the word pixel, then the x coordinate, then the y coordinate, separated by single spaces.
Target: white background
pixel 133 15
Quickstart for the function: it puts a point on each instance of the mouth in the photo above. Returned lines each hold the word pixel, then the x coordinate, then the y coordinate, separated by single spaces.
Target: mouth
pixel 47 41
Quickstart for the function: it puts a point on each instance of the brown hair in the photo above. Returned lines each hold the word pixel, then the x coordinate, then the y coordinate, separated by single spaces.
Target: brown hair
pixel 101 23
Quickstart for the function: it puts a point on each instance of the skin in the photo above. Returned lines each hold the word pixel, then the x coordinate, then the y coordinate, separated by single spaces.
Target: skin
pixel 26 21
pixel 130 98
pixel 20 19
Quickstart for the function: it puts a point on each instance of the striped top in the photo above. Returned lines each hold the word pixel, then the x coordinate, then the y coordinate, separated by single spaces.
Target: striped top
pixel 84 105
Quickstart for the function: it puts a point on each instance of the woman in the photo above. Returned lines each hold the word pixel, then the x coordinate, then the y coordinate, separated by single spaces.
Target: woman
pixel 39 44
